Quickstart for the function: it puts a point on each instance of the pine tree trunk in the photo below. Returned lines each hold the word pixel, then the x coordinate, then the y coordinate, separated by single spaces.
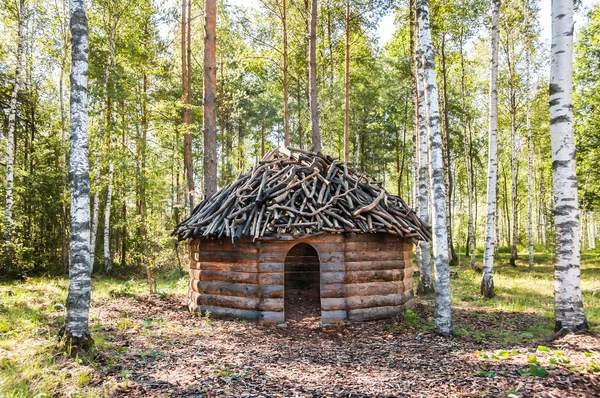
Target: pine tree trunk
pixel 347 87
pixel 76 329
pixel 424 248
pixel 10 142
pixel 210 103
pixel 187 111
pixel 286 110
pixel 487 282
pixel 331 81
pixel 568 302
pixel 314 97
pixel 443 316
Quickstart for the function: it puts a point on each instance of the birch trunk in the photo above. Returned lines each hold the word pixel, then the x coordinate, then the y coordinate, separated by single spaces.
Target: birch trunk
pixel 568 302
pixel 76 329
pixel 111 174
pixel 210 102
pixel 513 145
pixel 10 142
pixel 443 317
pixel 529 148
pixel 331 80
pixel 314 98
pixel 487 282
pixel 105 111
pixel 187 111
pixel 424 248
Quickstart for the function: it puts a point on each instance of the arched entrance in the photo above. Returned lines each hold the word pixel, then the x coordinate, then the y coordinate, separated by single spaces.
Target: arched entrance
pixel 302 284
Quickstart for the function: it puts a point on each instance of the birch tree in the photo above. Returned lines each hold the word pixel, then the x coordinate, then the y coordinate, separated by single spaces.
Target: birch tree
pixel 529 141
pixel 10 140
pixel 210 88
pixel 443 317
pixel 568 301
pixel 76 329
pixel 487 282
pixel 312 62
pixel 424 248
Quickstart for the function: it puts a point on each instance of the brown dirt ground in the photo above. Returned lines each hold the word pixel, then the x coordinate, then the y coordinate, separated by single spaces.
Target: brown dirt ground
pixel 169 352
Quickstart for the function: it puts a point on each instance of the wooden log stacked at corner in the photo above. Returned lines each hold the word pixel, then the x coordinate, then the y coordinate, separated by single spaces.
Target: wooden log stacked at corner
pixel 294 193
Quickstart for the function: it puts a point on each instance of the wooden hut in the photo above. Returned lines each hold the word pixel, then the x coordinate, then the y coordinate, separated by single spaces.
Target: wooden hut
pixel 301 223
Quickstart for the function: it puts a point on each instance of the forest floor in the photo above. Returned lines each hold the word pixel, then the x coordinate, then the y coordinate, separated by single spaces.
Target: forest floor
pixel 151 346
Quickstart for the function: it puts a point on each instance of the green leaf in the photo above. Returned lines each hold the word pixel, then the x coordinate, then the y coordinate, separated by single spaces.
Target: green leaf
pixel 483 373
pixel 542 348
pixel 532 359
pixel 538 371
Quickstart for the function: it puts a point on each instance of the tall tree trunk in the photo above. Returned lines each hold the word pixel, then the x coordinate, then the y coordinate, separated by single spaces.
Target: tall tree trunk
pixel 10 142
pixel 424 248
pixel 142 186
pixel 446 149
pixel 111 175
pixel 76 329
pixel 347 87
pixel 187 98
pixel 529 145
pixel 443 317
pixel 415 98
pixel 262 138
pixel 487 282
pixel 568 302
pixel 314 94
pixel 513 152
pixel 331 80
pixel 468 158
pixel 63 139
pixel 210 102
pixel 286 109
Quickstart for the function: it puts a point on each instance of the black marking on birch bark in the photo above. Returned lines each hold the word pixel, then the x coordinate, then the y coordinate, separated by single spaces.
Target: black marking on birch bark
pixel 560 119
pixel 560 164
pixel 560 16
pixel 554 102
pixel 555 88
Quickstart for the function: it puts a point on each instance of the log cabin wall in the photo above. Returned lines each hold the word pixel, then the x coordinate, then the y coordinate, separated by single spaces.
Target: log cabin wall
pixel 363 277
pixel 379 273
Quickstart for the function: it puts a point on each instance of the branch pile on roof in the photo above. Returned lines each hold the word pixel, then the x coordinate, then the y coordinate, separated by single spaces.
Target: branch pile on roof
pixel 294 193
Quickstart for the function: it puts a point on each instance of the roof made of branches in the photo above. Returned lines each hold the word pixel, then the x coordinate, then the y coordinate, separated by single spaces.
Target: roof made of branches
pixel 292 193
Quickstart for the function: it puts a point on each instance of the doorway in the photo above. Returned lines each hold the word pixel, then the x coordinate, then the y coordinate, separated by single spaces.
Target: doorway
pixel 302 284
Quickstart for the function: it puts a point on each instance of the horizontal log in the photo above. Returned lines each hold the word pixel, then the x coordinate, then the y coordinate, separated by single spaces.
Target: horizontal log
pixel 374 265
pixel 373 289
pixel 375 301
pixel 369 314
pixel 272 267
pixel 285 247
pixel 272 291
pixel 375 256
pixel 225 276
pixel 229 267
pixel 230 313
pixel 329 304
pixel 332 277
pixel 227 288
pixel 225 256
pixel 408 284
pixel 222 245
pixel 272 316
pixel 243 303
pixel 332 266
pixel 272 278
pixel 271 304
pixel 332 291
pixel 333 316
pixel 391 275
pixel 377 246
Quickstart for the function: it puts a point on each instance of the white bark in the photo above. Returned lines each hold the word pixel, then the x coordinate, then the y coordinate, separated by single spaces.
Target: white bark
pixel 443 317
pixel 96 206
pixel 568 302
pixel 529 147
pixel 78 299
pixel 107 255
pixel 10 141
pixel 424 247
pixel 487 282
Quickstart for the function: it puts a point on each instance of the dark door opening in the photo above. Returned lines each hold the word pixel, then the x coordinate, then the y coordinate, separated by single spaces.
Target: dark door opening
pixel 302 284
